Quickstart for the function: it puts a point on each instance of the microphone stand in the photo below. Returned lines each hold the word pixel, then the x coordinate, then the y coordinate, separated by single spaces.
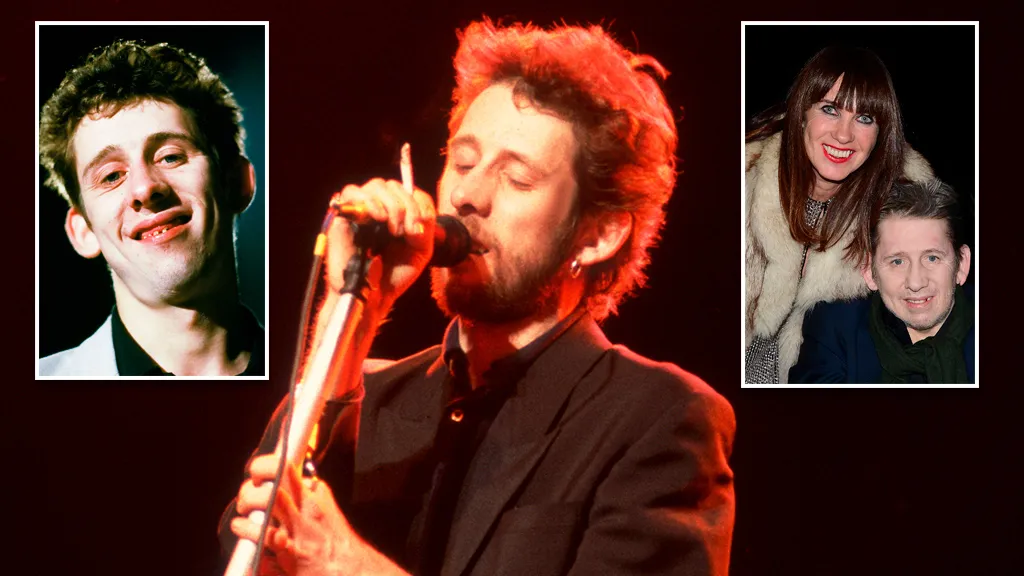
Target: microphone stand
pixel 331 360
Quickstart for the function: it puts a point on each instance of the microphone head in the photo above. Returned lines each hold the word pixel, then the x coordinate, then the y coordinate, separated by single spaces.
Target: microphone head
pixel 451 242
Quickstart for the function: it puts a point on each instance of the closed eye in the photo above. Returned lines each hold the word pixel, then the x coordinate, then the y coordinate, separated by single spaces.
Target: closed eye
pixel 519 184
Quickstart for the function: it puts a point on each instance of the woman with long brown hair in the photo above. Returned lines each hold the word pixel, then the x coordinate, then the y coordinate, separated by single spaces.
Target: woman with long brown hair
pixel 816 173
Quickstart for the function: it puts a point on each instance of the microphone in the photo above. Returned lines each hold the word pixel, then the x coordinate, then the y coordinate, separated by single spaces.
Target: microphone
pixel 451 239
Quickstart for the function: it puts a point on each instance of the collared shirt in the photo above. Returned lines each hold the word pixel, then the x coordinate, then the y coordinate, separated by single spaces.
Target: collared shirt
pixel 132 360
pixel 467 417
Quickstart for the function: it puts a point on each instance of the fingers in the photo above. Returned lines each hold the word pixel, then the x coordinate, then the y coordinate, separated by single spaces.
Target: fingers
pixel 252 497
pixel 245 528
pixel 427 219
pixel 255 492
pixel 425 203
pixel 302 532
pixel 387 201
pixel 264 467
pixel 409 217
pixel 277 538
pixel 397 203
pixel 256 498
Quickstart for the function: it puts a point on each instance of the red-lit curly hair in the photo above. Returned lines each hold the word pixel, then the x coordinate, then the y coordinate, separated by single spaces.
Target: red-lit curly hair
pixel 624 128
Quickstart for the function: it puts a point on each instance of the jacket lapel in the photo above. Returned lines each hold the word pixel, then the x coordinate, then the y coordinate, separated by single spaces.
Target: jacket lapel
pixel 522 433
pixel 398 428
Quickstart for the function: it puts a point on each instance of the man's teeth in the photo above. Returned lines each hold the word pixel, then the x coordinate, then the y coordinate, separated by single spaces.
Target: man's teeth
pixel 922 301
pixel 838 153
pixel 155 233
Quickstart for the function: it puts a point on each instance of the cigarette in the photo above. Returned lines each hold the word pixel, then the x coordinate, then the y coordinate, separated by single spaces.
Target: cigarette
pixel 405 165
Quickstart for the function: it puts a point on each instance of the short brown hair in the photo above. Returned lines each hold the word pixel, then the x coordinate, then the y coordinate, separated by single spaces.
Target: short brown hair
pixel 932 200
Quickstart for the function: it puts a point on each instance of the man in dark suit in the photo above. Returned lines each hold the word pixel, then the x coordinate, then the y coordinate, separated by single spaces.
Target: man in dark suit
pixel 526 443
pixel 918 325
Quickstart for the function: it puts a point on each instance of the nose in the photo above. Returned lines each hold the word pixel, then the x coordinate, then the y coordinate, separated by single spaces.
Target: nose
pixel 843 132
pixel 473 192
pixel 146 187
pixel 916 277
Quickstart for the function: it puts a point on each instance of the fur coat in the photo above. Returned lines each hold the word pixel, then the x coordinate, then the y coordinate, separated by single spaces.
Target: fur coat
pixel 773 285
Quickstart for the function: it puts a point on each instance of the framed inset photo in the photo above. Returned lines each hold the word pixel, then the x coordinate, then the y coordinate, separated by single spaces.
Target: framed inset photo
pixel 860 187
pixel 151 237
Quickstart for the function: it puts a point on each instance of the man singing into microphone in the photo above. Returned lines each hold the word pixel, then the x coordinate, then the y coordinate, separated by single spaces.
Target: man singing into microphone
pixel 526 443
pixel 145 144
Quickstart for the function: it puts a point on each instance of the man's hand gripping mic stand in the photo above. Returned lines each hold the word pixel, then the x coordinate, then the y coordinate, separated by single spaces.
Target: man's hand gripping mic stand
pixel 331 360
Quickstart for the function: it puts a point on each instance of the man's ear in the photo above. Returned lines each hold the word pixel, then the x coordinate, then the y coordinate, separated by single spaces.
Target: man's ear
pixel 603 237
pixel 82 238
pixel 868 275
pixel 244 180
pixel 965 265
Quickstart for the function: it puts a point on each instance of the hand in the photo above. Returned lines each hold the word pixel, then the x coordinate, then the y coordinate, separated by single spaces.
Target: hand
pixel 410 219
pixel 311 536
pixel 306 524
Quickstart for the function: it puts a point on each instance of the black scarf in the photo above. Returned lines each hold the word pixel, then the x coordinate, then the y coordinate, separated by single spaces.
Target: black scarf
pixel 939 359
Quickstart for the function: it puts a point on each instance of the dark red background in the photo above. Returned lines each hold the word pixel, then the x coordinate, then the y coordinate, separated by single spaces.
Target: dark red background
pixel 130 478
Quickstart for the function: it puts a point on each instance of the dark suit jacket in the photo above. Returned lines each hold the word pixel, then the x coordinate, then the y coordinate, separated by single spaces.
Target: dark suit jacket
pixel 617 465
pixel 838 347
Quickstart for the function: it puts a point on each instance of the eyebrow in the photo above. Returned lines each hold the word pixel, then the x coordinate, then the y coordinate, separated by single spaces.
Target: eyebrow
pixel 100 158
pixel 152 140
pixel 161 137
pixel 851 110
pixel 833 103
pixel 505 154
pixel 903 254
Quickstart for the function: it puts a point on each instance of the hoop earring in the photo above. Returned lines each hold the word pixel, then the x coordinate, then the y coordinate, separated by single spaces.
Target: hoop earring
pixel 575 268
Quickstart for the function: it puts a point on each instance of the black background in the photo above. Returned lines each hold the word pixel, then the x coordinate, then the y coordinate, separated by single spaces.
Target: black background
pixel 233 53
pixel 130 477
pixel 932 69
